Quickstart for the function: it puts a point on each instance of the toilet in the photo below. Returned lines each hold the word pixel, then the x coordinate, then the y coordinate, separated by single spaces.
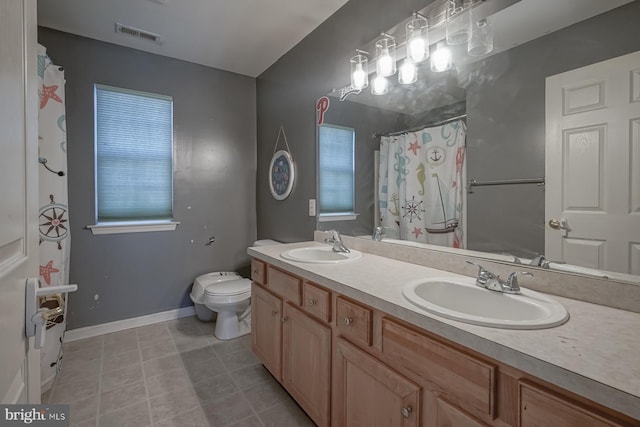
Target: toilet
pixel 226 297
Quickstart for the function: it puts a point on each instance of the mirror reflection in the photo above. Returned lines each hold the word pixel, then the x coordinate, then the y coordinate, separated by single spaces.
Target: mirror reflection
pixel 548 121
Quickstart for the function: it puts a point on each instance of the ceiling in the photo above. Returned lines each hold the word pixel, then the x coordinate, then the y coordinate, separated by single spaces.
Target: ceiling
pixel 241 36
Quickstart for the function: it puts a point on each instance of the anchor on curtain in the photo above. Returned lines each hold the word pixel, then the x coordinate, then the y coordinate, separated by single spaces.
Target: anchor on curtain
pixel 53 220
pixel 420 184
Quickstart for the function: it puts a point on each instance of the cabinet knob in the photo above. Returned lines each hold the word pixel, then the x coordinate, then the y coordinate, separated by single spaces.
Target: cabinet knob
pixel 406 412
pixel 312 301
pixel 274 313
pixel 348 321
pixel 255 272
pixel 285 318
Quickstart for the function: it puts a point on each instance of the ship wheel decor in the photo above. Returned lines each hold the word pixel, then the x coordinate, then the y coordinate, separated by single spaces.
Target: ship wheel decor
pixel 281 170
pixel 53 222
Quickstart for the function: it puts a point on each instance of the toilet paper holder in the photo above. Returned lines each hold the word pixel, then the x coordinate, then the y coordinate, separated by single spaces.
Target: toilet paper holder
pixel 36 317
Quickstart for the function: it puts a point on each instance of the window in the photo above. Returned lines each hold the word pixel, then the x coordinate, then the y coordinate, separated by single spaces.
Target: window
pixel 336 167
pixel 134 160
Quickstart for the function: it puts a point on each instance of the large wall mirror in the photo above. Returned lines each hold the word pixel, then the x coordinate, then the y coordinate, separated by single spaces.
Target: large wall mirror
pixel 509 108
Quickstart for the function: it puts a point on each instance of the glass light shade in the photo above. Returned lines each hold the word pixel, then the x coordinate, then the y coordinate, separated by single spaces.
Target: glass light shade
pixel 417 39
pixel 359 71
pixel 386 56
pixel 481 41
pixel 458 20
pixel 441 59
pixel 408 72
pixel 380 85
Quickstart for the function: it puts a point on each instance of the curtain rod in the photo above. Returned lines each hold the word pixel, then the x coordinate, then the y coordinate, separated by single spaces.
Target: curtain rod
pixel 434 124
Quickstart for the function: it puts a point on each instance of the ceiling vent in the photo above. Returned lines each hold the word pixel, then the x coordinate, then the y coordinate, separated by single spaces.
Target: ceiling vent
pixel 138 33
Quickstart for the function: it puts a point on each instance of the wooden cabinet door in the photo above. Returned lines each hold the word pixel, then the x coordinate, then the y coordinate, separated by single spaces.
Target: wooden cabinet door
pixel 542 408
pixel 367 393
pixel 448 415
pixel 266 329
pixel 306 363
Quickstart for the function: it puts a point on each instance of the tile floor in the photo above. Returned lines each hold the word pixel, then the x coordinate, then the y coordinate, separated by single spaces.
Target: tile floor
pixel 174 373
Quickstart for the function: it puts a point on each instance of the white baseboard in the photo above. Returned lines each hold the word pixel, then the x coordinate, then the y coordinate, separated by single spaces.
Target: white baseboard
pixel 121 325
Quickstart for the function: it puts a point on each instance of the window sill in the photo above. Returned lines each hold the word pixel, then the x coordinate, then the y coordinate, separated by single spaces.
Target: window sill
pixel 337 217
pixel 132 227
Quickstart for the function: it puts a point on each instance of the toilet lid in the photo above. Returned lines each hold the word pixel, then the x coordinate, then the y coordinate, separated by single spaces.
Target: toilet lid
pixel 229 287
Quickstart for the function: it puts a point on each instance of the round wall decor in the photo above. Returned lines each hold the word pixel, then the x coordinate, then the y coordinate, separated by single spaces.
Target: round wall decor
pixel 281 174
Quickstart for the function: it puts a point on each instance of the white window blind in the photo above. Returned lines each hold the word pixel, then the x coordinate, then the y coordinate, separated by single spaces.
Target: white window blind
pixel 336 170
pixel 134 155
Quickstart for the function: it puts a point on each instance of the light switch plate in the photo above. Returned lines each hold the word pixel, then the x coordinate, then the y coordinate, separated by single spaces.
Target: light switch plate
pixel 312 207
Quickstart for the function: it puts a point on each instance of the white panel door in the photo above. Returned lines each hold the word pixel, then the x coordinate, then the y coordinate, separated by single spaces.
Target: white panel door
pixel 19 366
pixel 593 165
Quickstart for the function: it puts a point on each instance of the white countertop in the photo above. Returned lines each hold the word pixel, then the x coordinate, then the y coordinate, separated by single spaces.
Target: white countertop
pixel 596 354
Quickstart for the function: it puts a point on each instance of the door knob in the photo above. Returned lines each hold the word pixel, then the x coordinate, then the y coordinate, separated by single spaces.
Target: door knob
pixel 558 224
pixel 406 411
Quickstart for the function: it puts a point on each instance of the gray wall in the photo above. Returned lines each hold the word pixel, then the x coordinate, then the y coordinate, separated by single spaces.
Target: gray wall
pixel 287 93
pixel 127 275
pixel 506 125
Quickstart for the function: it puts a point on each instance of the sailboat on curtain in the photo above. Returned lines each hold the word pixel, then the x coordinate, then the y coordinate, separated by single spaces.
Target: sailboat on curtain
pixel 443 218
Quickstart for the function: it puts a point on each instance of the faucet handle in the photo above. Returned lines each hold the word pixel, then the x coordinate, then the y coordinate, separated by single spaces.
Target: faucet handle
pixel 484 275
pixel 512 280
pixel 481 270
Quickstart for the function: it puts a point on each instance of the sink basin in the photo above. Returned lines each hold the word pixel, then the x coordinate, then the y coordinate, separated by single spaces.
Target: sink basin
pixel 460 299
pixel 320 255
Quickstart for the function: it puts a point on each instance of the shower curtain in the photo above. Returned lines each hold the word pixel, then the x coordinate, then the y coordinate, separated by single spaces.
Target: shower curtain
pixel 420 184
pixel 54 219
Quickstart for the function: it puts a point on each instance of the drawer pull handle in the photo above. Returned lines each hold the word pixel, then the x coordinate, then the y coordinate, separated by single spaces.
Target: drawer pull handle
pixel 348 321
pixel 274 313
pixel 406 412
pixel 313 301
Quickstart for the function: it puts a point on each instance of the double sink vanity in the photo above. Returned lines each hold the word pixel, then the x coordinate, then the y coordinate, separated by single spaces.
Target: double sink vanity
pixel 360 339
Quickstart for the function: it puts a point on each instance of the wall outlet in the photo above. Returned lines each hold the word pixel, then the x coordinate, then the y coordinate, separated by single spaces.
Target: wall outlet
pixel 312 207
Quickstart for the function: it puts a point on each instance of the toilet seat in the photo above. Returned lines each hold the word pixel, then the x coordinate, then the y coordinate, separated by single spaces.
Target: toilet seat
pixel 227 292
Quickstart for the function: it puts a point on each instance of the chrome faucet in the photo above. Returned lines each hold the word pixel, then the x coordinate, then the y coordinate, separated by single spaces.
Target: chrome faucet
pixel 336 241
pixel 377 234
pixel 488 280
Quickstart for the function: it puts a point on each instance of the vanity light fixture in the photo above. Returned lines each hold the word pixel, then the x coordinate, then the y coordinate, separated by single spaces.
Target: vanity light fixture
pixel 359 70
pixel 408 72
pixel 380 85
pixel 481 41
pixel 386 55
pixel 417 38
pixel 458 21
pixel 441 59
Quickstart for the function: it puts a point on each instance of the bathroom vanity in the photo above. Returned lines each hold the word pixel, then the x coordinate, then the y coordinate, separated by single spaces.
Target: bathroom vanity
pixel 353 352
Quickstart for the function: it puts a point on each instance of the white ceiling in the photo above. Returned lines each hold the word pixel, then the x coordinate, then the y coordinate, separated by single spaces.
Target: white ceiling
pixel 242 36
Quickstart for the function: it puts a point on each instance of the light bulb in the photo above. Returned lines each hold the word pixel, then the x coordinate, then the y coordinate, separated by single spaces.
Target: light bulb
pixel 380 85
pixel 441 59
pixel 358 77
pixel 385 63
pixel 417 49
pixel 408 73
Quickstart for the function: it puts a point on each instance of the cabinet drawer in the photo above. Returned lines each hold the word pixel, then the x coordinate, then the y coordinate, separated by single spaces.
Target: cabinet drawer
pixel 283 284
pixel 462 379
pixel 541 408
pixel 257 271
pixel 316 301
pixel 353 321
